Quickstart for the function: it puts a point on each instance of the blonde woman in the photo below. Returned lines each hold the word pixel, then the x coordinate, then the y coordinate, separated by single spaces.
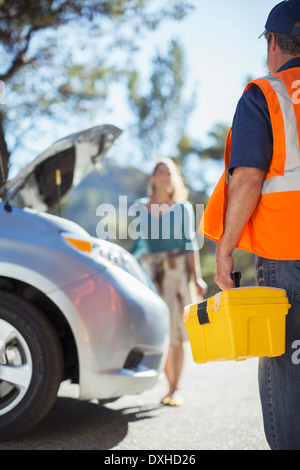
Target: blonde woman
pixel 169 253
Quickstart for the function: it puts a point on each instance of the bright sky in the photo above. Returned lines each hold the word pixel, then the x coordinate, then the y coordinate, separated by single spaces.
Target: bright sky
pixel 222 49
pixel 220 39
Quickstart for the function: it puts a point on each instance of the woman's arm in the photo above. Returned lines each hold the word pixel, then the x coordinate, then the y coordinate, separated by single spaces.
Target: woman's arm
pixel 194 268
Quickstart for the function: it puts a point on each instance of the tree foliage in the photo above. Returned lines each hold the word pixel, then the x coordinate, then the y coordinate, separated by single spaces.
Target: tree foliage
pixel 160 111
pixel 47 64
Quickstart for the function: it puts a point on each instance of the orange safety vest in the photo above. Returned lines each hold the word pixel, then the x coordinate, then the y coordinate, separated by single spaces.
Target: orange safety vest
pixel 273 230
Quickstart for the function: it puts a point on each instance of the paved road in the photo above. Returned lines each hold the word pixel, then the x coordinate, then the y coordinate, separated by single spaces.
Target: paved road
pixel 221 412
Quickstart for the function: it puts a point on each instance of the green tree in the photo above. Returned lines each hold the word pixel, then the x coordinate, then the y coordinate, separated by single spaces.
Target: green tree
pixel 161 112
pixel 60 58
pixel 218 136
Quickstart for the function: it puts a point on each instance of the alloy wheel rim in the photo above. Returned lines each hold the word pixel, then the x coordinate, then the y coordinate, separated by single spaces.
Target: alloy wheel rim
pixel 15 367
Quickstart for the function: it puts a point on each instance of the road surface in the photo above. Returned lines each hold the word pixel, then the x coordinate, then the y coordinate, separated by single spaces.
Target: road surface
pixel 221 412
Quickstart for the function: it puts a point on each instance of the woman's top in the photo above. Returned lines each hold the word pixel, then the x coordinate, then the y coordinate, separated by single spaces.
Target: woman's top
pixel 173 230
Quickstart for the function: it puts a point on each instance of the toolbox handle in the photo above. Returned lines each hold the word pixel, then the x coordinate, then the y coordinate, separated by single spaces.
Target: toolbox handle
pixel 236 277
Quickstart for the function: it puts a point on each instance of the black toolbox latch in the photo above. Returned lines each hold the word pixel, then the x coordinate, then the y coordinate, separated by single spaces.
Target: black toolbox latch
pixel 202 313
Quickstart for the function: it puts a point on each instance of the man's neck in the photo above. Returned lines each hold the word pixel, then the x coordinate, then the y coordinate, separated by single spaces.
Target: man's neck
pixel 284 59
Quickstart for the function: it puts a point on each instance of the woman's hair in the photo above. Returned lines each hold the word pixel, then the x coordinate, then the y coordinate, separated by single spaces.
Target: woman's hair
pixel 288 43
pixel 179 190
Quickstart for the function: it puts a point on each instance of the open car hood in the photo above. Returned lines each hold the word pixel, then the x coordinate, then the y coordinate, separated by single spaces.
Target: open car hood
pixel 58 169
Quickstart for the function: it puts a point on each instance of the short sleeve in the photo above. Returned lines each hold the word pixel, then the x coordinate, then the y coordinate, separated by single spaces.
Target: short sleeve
pixel 252 136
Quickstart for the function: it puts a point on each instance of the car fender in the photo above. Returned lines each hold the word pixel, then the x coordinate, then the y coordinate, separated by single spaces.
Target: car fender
pixel 58 297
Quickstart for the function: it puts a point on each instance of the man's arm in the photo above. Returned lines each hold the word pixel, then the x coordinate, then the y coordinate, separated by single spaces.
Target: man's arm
pixel 244 192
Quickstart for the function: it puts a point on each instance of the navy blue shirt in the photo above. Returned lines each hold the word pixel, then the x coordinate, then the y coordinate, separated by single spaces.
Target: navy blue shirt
pixel 252 135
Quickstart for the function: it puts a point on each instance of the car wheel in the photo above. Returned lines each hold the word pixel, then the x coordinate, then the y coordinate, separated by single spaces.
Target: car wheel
pixel 31 365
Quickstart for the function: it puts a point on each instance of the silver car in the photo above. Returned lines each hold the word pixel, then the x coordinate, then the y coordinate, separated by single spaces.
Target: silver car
pixel 72 307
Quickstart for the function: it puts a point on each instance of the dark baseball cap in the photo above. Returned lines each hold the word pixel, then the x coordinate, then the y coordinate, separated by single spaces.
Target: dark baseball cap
pixel 283 18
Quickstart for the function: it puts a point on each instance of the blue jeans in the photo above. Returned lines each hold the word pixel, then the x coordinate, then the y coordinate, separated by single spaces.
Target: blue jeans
pixel 279 377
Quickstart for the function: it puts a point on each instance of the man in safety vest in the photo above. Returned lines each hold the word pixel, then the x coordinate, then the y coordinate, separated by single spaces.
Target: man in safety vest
pixel 256 207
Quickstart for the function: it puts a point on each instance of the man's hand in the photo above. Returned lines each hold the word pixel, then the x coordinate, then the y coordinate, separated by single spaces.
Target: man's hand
pixel 224 268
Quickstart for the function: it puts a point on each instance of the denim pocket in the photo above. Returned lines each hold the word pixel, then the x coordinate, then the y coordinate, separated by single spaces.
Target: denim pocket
pixel 287 275
pixel 281 274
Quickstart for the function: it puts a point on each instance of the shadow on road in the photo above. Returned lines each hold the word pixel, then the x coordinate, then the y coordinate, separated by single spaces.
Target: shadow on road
pixel 73 424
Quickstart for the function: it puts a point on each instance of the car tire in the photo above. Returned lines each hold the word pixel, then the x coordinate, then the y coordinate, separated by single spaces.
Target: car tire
pixel 31 365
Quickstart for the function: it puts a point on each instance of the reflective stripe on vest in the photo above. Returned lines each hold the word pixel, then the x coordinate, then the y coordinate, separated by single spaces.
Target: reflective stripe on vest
pixel 291 179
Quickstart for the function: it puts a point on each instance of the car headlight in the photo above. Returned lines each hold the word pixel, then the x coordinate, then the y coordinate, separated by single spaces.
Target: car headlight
pixel 108 252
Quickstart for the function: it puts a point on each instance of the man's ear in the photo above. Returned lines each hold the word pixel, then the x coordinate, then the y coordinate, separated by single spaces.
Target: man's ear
pixel 273 42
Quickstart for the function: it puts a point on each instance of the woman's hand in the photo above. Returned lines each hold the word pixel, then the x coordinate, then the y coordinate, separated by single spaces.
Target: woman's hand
pixel 201 287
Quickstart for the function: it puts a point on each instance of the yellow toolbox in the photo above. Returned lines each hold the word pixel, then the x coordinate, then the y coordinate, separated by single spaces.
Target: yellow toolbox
pixel 238 324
